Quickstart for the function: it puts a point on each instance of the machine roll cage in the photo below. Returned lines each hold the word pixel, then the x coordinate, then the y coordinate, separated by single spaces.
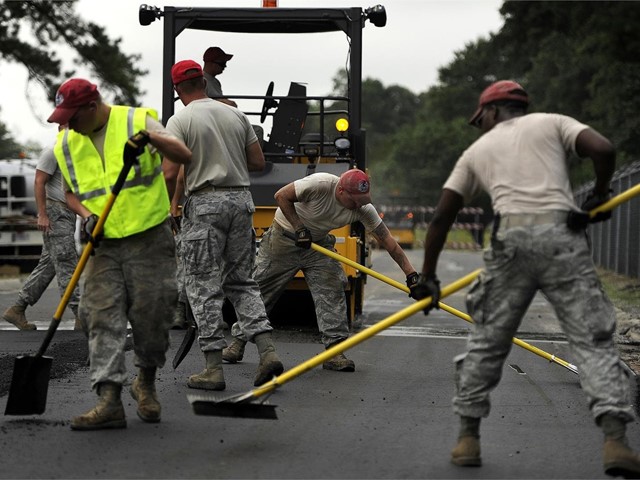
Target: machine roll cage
pixel 350 21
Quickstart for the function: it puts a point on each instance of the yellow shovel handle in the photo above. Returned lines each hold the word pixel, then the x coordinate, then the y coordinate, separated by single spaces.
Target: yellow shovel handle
pixel 361 336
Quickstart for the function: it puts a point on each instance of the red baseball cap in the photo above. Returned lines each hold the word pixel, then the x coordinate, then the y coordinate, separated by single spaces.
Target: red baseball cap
pixel 356 183
pixel 72 94
pixel 216 54
pixel 185 70
pixel 501 90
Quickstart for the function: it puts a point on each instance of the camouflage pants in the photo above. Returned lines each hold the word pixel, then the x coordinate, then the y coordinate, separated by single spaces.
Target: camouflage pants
pixel 556 261
pixel 58 259
pixel 218 251
pixel 277 263
pixel 132 280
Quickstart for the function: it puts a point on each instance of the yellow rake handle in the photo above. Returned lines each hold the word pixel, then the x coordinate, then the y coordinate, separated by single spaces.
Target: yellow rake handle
pixel 361 336
pixel 447 308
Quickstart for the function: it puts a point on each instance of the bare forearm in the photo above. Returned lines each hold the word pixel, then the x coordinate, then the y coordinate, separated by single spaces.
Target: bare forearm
pixel 386 240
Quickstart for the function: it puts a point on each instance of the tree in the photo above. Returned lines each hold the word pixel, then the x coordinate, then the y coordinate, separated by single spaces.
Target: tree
pixel 8 146
pixel 53 24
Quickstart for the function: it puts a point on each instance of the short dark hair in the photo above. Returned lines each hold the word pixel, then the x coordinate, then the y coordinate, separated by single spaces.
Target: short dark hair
pixel 192 85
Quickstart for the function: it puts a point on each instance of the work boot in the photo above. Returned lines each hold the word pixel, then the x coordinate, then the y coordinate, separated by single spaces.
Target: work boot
pixel 180 317
pixel 16 316
pixel 339 363
pixel 467 452
pixel 212 377
pixel 108 413
pixel 619 460
pixel 143 391
pixel 234 352
pixel 270 365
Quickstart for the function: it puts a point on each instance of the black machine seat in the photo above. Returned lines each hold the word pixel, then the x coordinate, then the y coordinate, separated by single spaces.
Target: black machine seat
pixel 288 121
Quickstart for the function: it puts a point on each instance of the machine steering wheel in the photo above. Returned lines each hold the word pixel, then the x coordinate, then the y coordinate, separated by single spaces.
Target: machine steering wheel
pixel 268 103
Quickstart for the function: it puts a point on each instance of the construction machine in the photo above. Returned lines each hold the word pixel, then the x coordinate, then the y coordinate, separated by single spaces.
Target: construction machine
pixel 309 133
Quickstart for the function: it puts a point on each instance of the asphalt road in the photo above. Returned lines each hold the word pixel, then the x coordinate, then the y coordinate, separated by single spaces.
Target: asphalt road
pixel 390 419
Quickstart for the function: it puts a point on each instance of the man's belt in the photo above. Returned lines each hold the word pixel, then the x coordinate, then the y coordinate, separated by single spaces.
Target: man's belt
pixel 554 217
pixel 213 188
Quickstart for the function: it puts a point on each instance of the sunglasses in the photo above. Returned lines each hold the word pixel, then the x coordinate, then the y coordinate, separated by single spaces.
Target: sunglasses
pixel 222 64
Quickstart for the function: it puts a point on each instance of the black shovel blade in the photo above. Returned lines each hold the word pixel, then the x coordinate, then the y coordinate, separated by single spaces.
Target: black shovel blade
pixel 29 385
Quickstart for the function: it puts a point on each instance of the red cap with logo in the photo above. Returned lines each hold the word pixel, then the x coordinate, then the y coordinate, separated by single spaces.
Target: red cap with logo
pixel 72 94
pixel 501 90
pixel 185 70
pixel 356 183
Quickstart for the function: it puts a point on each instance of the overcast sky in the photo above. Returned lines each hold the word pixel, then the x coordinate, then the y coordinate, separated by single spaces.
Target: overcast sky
pixel 420 36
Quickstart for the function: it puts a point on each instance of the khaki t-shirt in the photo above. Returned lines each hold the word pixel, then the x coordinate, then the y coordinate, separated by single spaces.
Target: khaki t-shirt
pixel 521 163
pixel 319 209
pixel 217 136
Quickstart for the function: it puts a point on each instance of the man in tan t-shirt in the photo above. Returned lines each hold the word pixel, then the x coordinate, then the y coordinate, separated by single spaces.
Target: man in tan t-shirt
pixel 538 243
pixel 312 207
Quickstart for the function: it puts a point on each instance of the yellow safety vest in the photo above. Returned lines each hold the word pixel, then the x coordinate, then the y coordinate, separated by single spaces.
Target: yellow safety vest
pixel 143 201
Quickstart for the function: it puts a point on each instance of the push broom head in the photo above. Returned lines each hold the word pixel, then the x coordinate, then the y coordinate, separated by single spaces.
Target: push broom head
pixel 240 406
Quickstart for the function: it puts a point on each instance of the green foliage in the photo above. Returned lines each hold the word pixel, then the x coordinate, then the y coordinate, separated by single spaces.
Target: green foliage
pixel 8 146
pixel 31 34
pixel 575 58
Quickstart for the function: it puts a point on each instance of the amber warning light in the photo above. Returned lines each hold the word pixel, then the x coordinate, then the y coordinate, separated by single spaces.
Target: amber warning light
pixel 269 3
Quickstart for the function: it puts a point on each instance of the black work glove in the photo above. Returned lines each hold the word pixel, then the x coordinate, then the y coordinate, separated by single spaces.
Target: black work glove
pixel 412 281
pixel 135 145
pixel 303 238
pixel 595 200
pixel 427 286
pixel 578 221
pixel 86 232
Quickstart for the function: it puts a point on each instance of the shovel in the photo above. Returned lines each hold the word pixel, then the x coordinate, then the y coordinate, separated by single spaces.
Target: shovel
pixel 30 380
pixel 244 405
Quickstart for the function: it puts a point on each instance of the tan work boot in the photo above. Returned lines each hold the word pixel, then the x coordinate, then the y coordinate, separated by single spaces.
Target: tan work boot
pixel 467 452
pixel 212 377
pixel 339 363
pixel 234 352
pixel 16 316
pixel 270 365
pixel 619 460
pixel 143 391
pixel 108 413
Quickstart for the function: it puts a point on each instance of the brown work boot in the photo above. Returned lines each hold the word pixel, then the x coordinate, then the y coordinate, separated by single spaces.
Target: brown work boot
pixel 16 316
pixel 467 452
pixel 234 352
pixel 619 460
pixel 143 391
pixel 339 363
pixel 108 413
pixel 212 377
pixel 270 365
